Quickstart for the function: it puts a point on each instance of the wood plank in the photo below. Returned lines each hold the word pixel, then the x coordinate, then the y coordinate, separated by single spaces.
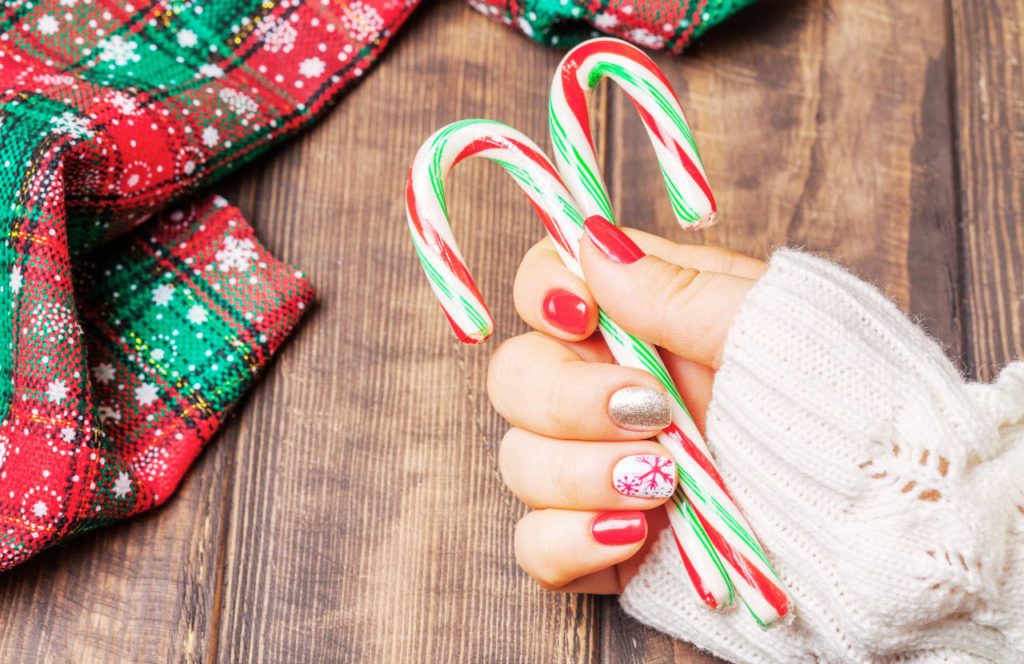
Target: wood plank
pixel 989 81
pixel 823 125
pixel 368 521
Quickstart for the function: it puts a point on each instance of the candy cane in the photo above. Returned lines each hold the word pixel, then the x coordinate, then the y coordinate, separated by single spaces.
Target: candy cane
pixel 705 500
pixel 466 311
pixel 652 96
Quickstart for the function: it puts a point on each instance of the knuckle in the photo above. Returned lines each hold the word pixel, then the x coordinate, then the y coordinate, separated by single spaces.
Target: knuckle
pixel 567 479
pixel 502 368
pixel 676 288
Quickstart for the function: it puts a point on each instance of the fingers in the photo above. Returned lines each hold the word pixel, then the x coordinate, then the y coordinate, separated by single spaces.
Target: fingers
pixel 681 309
pixel 544 386
pixel 552 299
pixel 545 473
pixel 556 547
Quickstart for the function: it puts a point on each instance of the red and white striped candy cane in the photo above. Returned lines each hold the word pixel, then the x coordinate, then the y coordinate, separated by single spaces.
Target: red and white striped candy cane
pixel 466 311
pixel 716 543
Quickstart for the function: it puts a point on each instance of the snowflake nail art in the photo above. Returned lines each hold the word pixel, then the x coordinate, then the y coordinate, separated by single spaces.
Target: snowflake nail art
pixel 645 476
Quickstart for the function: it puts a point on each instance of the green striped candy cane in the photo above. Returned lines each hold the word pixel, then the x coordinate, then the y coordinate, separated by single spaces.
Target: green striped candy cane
pixel 719 550
pixel 468 314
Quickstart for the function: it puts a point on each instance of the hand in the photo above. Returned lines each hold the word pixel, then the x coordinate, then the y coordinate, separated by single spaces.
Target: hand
pixel 579 451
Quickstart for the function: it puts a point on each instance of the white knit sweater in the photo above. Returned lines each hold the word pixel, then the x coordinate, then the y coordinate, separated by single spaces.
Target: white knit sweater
pixel 886 489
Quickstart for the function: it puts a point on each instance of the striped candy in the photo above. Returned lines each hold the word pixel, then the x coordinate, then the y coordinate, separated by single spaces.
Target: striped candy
pixel 718 548
pixel 652 96
pixel 719 552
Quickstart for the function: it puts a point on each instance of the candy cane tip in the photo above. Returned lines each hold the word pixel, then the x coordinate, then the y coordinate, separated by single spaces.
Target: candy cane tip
pixel 709 219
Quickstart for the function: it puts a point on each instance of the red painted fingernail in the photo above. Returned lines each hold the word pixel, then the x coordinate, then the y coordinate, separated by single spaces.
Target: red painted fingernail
pixel 566 311
pixel 611 241
pixel 619 528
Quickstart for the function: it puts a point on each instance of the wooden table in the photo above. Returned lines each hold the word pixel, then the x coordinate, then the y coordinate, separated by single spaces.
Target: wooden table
pixel 353 510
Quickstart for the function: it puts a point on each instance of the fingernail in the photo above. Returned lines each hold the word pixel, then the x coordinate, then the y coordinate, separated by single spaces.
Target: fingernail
pixel 619 528
pixel 640 408
pixel 645 476
pixel 611 241
pixel 566 311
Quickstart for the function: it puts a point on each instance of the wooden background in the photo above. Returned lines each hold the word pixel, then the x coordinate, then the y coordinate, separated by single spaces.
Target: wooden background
pixel 353 511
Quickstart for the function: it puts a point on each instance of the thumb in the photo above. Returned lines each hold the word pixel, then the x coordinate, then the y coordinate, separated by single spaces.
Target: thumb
pixel 679 308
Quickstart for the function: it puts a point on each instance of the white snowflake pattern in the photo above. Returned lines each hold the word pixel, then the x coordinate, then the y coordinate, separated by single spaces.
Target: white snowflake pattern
pixel 361 21
pixel 107 413
pixel 39 509
pixel 68 3
pixel 237 254
pixel 239 102
pixel 68 434
pixel 123 102
pixel 211 71
pixel 118 50
pixel 197 314
pixel 162 295
pixel 211 137
pixel 645 37
pixel 605 21
pixel 72 125
pixel 55 79
pixel 122 485
pixel 57 391
pixel 187 39
pixel 3 451
pixel 312 67
pixel 277 35
pixel 103 372
pixel 47 25
pixel 16 279
pixel 146 394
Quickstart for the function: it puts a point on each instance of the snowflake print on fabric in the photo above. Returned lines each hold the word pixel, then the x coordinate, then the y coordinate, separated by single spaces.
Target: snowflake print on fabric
pixel 57 391
pixel 645 476
pixel 119 51
pixel 198 315
pixel 162 295
pixel 146 394
pixel 277 35
pixel 122 485
pixel 47 25
pixel 210 137
pixel 72 125
pixel 312 67
pixel 16 279
pixel 236 254
pixel 239 102
pixel 104 372
pixel 361 20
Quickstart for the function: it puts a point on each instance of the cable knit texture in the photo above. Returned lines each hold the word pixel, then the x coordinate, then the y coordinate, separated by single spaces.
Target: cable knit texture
pixel 886 489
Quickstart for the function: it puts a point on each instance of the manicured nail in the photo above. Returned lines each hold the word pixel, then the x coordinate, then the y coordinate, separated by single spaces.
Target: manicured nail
pixel 640 408
pixel 619 528
pixel 645 476
pixel 611 241
pixel 566 311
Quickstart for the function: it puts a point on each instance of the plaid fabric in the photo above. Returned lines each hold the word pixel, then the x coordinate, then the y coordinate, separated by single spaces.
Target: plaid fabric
pixel 669 25
pixel 126 338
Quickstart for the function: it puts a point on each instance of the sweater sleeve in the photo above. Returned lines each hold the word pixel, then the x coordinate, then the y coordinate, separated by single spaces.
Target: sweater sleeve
pixel 885 488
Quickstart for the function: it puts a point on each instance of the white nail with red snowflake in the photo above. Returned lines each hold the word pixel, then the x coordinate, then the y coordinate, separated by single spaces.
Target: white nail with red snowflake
pixel 645 476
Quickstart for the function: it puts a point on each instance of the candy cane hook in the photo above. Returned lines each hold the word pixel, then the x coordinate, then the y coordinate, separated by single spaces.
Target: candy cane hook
pixel 645 84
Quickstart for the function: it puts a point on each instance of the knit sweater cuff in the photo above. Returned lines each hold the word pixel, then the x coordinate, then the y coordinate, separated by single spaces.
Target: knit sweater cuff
pixel 858 455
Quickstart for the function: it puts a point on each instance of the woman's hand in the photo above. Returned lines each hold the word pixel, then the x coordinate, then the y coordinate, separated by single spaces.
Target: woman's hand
pixel 580 451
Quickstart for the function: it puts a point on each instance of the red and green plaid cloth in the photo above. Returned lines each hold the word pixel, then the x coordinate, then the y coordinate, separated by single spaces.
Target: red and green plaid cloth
pixel 133 316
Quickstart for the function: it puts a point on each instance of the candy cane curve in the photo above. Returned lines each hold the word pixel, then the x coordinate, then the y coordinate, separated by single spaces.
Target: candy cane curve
pixel 654 99
pixel 468 314
pixel 706 499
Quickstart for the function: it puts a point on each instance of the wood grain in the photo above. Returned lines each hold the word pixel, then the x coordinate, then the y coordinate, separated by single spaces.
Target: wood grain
pixel 989 83
pixel 353 511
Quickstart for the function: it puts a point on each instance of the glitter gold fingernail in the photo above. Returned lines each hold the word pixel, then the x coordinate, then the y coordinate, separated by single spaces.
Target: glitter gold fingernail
pixel 640 408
